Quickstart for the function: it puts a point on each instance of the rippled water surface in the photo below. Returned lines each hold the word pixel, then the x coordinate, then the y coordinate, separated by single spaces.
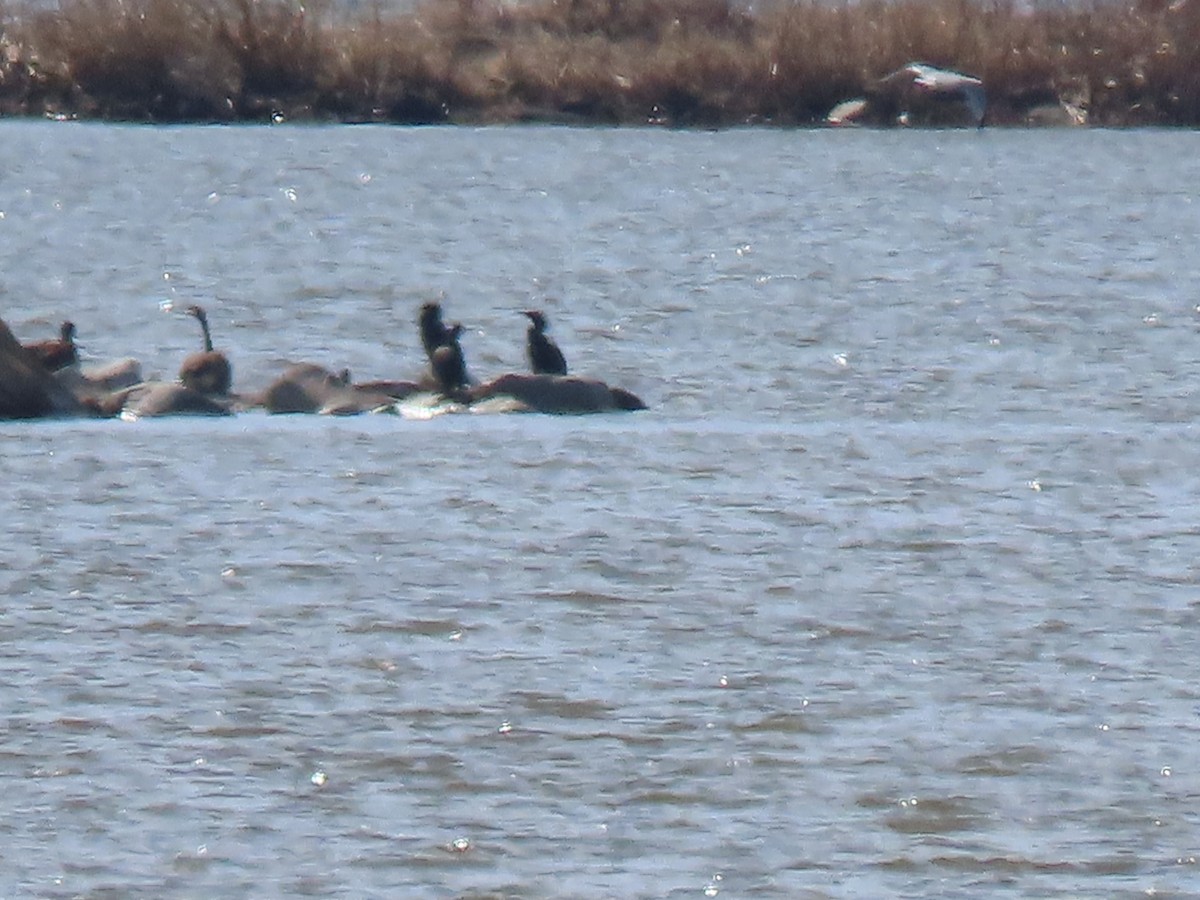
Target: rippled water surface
pixel 893 591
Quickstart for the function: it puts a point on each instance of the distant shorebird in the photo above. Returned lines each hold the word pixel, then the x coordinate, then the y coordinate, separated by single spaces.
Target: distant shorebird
pixel 544 356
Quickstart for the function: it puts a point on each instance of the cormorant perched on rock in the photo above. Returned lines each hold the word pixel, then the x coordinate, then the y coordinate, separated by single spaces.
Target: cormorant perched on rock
pixel 433 332
pixel 208 370
pixel 443 349
pixel 56 354
pixel 449 368
pixel 544 355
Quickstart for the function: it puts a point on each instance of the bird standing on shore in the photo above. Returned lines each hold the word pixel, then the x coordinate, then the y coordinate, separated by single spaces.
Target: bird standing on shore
pixel 56 354
pixel 544 356
pixel 208 370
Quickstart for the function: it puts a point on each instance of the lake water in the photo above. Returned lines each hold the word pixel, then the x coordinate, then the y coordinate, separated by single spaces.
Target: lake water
pixel 892 592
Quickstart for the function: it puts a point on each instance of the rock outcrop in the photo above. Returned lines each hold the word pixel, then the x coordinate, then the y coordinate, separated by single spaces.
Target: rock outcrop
pixel 27 390
pixel 309 388
pixel 558 394
pixel 153 399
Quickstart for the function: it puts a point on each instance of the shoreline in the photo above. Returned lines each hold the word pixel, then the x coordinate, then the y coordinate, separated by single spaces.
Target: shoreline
pixel 670 63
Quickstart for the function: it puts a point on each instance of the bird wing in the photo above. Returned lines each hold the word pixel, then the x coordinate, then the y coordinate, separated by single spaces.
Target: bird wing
pixel 943 81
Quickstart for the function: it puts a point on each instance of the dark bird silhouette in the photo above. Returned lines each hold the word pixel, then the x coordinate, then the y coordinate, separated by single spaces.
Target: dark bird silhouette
pixel 445 353
pixel 544 355
pixel 449 367
pixel 208 370
pixel 433 332
pixel 56 354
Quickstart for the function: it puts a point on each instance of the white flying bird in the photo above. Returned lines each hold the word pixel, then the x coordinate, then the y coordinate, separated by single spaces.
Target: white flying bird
pixel 916 92
pixel 942 84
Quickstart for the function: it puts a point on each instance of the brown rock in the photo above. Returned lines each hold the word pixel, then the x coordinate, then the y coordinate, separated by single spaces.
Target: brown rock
pixel 27 390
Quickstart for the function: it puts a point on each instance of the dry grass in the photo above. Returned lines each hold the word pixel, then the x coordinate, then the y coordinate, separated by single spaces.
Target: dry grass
pixel 678 62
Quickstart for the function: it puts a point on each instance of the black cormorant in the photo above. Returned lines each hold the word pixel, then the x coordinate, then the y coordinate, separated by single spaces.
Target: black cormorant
pixel 449 367
pixel 433 332
pixel 544 355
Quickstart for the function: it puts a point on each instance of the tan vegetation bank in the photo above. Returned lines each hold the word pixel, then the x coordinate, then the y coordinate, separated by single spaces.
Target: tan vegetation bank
pixel 673 62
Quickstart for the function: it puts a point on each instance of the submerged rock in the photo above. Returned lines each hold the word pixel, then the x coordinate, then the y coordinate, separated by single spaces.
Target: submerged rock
pixel 396 390
pixel 558 394
pixel 97 381
pixel 153 399
pixel 309 388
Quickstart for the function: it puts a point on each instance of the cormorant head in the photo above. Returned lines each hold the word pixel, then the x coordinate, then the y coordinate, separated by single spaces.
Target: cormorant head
pixel 68 332
pixel 538 320
pixel 430 312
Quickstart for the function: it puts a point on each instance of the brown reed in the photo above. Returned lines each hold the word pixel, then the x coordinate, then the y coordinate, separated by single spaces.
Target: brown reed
pixel 675 62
